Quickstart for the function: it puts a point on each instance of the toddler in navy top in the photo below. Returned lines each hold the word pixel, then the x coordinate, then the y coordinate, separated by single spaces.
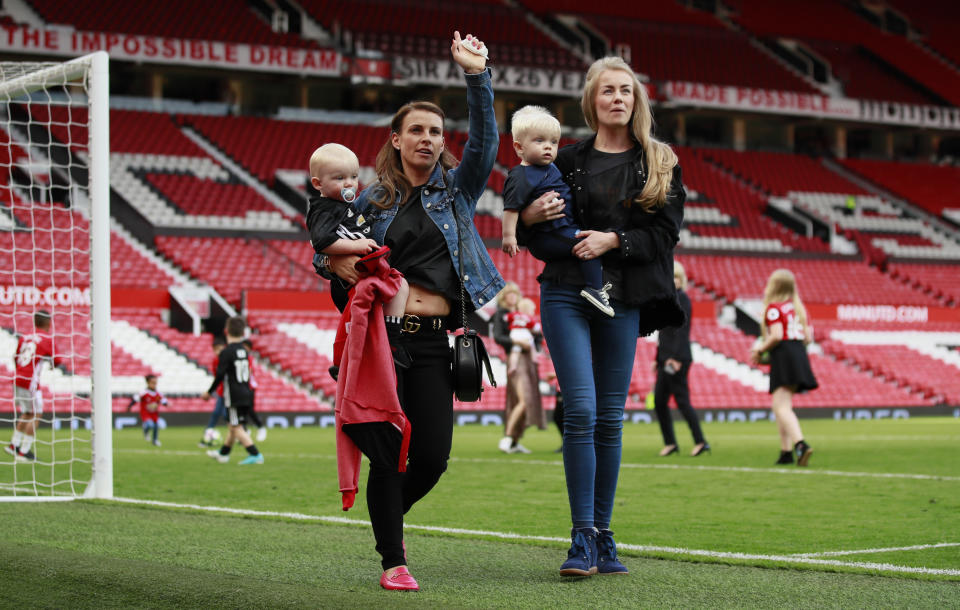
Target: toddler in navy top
pixel 536 134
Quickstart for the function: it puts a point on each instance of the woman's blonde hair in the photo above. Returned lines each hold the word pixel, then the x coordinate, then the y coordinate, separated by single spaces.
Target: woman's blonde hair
pixel 509 287
pixel 660 158
pixel 681 273
pixel 390 166
pixel 782 286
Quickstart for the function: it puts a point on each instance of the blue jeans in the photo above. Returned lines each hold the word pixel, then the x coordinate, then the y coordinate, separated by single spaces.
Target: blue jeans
pixel 593 356
pixel 219 410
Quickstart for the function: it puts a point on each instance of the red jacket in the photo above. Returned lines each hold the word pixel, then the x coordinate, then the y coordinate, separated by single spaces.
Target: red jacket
pixel 367 383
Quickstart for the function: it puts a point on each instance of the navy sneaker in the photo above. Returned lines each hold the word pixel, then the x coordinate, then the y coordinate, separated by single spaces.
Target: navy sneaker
pixel 582 556
pixel 599 299
pixel 607 562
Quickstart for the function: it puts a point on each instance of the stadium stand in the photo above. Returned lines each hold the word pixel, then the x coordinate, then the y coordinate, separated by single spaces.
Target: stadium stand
pixel 931 187
pixel 389 27
pixel 738 220
pixel 712 55
pixel 820 281
pixel 942 281
pixel 729 244
pixel 835 21
pixel 254 264
pixel 175 19
pixel 937 22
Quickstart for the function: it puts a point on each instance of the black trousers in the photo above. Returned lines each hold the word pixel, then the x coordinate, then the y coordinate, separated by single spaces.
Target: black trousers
pixel 675 385
pixel 426 395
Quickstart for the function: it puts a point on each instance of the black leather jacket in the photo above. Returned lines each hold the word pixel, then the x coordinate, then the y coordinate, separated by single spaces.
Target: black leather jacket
pixel 647 240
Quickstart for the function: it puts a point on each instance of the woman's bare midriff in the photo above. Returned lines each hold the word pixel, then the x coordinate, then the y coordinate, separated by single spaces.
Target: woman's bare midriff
pixel 423 302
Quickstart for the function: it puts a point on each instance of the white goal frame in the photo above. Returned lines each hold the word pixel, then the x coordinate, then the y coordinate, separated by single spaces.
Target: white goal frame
pixel 96 67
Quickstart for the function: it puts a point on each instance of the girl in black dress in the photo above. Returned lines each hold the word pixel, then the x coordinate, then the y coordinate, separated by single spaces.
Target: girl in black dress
pixel 785 334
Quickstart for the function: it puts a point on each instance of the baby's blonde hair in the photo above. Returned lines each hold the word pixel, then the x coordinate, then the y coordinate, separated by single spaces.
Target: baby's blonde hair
pixel 533 118
pixel 327 154
pixel 527 306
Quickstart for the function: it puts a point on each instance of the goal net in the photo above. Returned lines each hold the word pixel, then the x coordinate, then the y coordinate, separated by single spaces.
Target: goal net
pixel 55 399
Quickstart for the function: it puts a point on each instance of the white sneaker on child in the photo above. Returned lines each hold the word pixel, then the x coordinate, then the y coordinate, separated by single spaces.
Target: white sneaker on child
pixel 261 434
pixel 505 444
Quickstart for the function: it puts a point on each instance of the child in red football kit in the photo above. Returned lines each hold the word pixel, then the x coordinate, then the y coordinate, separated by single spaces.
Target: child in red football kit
pixel 785 333
pixel 33 352
pixel 150 401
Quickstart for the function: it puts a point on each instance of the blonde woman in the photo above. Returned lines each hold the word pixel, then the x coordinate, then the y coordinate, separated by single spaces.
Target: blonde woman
pixel 524 405
pixel 628 198
pixel 784 334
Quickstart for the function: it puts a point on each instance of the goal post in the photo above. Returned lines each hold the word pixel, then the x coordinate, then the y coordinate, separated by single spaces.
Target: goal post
pixel 55 234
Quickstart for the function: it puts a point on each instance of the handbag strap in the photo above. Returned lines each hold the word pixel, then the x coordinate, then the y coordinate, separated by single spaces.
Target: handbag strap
pixel 481 348
pixel 463 302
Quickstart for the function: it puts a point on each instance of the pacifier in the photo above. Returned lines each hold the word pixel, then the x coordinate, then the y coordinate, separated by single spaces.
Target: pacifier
pixel 348 194
pixel 474 46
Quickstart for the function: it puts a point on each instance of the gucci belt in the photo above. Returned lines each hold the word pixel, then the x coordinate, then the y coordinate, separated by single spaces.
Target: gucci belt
pixel 412 323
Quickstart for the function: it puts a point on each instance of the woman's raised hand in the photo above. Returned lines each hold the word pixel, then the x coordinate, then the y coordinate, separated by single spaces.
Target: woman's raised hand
pixel 471 62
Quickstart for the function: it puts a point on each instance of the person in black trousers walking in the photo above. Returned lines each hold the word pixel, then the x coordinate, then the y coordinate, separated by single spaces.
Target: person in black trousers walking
pixel 673 367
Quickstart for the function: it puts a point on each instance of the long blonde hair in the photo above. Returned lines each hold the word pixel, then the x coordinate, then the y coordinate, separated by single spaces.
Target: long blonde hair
pixel 660 158
pixel 389 166
pixel 782 286
pixel 508 288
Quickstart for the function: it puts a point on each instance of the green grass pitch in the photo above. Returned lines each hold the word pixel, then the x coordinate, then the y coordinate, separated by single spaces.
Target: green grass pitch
pixel 873 522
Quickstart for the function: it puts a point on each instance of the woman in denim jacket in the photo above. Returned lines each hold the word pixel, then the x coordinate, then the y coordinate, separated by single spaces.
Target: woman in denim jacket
pixel 628 195
pixel 419 204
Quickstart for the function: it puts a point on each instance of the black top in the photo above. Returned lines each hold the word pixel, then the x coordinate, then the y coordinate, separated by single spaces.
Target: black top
pixel 609 182
pixel 674 341
pixel 647 240
pixel 527 182
pixel 233 370
pixel 419 251
pixel 329 220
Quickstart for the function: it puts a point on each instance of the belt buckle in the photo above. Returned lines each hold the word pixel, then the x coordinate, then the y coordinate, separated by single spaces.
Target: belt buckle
pixel 411 323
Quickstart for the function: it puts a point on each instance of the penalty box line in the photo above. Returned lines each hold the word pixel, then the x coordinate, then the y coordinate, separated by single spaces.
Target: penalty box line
pixel 794 559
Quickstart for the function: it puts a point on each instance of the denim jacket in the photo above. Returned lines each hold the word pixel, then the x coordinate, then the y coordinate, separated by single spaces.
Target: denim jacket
pixel 460 191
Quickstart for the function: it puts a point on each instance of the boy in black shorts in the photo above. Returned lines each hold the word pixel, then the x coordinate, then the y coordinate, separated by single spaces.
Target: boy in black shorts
pixel 233 370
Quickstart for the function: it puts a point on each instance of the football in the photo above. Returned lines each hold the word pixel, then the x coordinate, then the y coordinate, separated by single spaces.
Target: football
pixel 211 436
pixel 764 356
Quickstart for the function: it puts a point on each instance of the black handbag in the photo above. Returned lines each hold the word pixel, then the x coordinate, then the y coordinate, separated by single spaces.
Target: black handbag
pixel 469 354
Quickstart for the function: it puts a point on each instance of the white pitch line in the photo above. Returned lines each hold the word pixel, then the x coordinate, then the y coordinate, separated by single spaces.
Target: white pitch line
pixel 881 567
pixel 558 463
pixel 890 549
pixel 779 471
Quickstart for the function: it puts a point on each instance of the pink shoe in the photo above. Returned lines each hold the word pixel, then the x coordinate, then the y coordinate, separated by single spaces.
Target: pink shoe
pixel 400 580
